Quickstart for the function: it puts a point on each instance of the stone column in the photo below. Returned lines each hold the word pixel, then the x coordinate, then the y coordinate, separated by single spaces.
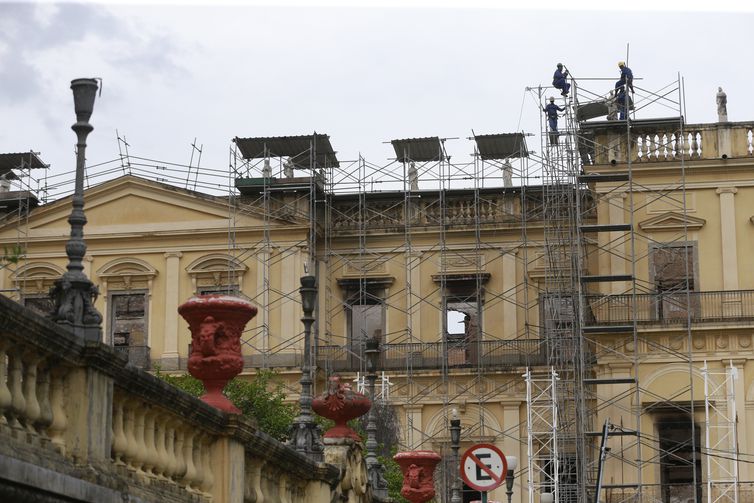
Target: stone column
pixel 170 358
pixel 510 322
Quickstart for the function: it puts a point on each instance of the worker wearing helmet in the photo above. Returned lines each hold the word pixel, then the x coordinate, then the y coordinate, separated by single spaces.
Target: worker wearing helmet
pixel 559 80
pixel 626 78
pixel 552 114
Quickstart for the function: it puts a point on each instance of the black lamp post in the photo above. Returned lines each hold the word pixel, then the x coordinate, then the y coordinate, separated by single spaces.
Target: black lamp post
pixel 455 441
pixel 305 437
pixel 73 293
pixel 512 465
pixel 374 468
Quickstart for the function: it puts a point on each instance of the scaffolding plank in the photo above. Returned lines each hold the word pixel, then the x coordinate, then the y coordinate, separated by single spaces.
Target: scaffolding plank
pixel 608 329
pixel 606 278
pixel 605 228
pixel 610 177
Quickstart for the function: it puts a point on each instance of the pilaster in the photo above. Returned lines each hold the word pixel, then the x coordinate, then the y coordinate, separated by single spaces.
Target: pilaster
pixel 728 237
pixel 170 356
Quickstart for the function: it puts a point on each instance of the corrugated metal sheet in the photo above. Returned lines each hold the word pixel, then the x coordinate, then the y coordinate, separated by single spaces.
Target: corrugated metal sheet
pixel 501 146
pixel 20 160
pixel 418 149
pixel 298 148
pixel 591 110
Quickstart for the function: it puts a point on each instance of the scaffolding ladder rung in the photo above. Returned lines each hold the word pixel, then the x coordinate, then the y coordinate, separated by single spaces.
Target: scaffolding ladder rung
pixel 606 278
pixel 606 228
pixel 611 177
pixel 608 329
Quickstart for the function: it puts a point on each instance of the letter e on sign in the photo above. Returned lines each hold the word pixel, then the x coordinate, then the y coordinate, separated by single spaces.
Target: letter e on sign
pixel 483 467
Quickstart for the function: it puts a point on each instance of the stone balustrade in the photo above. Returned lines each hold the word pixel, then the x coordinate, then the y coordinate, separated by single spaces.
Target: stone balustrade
pixel 663 141
pixel 78 422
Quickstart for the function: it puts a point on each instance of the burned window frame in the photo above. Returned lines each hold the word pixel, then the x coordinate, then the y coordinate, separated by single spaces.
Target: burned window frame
pixel 111 316
pixel 363 292
pixel 674 300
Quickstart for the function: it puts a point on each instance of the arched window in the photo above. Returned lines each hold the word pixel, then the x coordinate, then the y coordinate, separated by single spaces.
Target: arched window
pixel 33 282
pixel 217 273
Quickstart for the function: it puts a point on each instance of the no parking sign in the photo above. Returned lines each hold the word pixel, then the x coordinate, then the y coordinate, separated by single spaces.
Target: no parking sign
pixel 483 467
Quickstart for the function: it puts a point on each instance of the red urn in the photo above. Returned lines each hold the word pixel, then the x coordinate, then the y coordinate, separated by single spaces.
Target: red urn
pixel 216 323
pixel 418 469
pixel 341 404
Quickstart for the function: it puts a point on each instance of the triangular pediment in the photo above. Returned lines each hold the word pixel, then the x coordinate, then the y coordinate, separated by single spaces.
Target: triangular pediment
pixel 672 221
pixel 131 204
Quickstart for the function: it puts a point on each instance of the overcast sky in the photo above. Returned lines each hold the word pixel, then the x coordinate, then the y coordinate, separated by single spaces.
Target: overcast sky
pixel 364 75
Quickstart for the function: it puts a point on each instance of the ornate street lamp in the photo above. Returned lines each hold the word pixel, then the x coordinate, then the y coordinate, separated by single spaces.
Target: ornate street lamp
pixel 374 468
pixel 455 441
pixel 512 465
pixel 73 293
pixel 305 437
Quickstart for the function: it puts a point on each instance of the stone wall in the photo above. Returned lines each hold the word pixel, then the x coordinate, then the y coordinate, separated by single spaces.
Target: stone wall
pixel 78 423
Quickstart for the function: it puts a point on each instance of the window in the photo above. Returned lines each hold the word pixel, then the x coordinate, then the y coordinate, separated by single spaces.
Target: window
pixel 128 326
pixel 673 270
pixel 680 457
pixel 364 306
pixel 42 304
pixel 221 290
pixel 365 315
pixel 462 318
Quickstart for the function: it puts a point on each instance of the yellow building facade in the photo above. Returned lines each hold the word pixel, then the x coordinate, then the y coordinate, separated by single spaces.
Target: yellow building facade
pixel 458 282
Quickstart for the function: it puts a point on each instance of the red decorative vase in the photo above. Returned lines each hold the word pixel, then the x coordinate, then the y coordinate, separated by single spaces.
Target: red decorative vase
pixel 418 469
pixel 341 404
pixel 216 323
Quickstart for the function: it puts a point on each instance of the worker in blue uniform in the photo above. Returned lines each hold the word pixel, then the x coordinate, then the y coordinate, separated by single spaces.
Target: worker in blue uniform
pixel 626 78
pixel 559 80
pixel 552 114
pixel 620 100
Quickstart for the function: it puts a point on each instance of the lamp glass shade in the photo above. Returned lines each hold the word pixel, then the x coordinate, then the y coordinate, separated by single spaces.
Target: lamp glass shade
pixel 546 498
pixel 512 463
pixel 84 92
pixel 308 293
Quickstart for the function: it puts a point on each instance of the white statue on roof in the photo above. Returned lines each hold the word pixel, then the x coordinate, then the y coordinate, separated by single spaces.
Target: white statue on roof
pixel 507 174
pixel 413 176
pixel 722 105
pixel 288 168
pixel 267 169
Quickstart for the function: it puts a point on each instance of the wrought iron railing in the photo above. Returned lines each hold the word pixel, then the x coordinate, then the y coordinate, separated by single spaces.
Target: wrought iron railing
pixel 435 355
pixel 671 308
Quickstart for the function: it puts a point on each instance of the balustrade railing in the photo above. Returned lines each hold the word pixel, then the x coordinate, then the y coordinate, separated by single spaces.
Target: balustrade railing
pixel 672 307
pixel 78 407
